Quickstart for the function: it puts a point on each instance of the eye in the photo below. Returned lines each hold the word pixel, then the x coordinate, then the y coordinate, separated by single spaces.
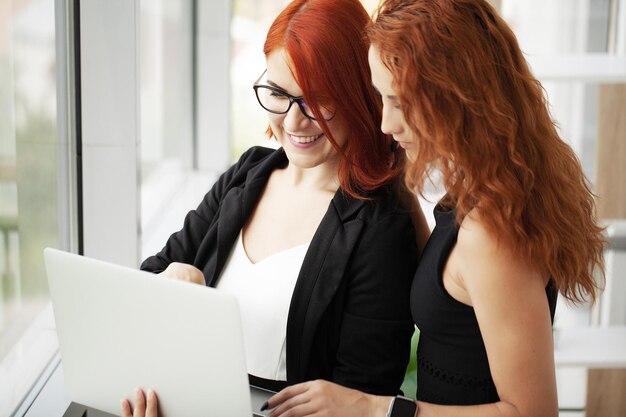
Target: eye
pixel 277 95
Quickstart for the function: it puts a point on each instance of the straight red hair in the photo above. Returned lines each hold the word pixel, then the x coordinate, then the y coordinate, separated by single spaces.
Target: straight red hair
pixel 325 41
pixel 482 119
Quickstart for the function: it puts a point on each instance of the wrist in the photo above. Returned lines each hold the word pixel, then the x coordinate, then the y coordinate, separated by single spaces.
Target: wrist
pixel 377 405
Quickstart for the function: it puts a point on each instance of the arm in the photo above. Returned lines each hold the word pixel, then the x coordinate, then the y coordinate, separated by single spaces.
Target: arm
pixel 510 303
pixel 376 328
pixel 182 246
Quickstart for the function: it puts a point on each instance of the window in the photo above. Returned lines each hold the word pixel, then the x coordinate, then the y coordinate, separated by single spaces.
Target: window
pixel 167 117
pixel 33 200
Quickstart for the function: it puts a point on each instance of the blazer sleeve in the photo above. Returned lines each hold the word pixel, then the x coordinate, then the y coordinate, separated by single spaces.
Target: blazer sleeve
pixel 376 328
pixel 182 246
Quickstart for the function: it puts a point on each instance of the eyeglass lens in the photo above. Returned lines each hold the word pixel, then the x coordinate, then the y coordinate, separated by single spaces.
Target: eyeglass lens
pixel 275 101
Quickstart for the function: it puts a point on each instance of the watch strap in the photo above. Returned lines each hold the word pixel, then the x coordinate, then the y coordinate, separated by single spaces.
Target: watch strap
pixel 401 406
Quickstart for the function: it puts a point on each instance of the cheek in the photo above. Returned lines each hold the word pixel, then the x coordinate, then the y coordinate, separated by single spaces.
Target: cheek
pixel 340 133
pixel 275 121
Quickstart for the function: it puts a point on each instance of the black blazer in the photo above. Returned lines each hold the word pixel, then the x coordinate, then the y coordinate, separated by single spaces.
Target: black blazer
pixel 349 319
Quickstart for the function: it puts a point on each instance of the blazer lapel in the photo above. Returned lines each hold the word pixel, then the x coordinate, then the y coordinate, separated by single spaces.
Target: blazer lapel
pixel 237 207
pixel 322 272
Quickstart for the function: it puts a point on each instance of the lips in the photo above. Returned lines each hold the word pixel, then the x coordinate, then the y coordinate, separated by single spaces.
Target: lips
pixel 304 142
pixel 304 139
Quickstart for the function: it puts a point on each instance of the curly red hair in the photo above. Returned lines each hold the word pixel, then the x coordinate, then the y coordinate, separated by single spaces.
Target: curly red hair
pixel 482 119
pixel 325 41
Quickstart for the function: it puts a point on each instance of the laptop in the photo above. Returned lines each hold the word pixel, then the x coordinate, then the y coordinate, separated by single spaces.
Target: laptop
pixel 121 328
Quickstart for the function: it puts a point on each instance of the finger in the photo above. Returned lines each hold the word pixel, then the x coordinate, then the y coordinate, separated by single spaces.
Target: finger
pixel 293 406
pixel 172 270
pixel 286 394
pixel 126 411
pixel 140 403
pixel 152 407
pixel 198 277
pixel 296 410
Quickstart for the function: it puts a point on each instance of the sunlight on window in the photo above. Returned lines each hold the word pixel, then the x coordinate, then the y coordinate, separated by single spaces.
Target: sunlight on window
pixel 28 191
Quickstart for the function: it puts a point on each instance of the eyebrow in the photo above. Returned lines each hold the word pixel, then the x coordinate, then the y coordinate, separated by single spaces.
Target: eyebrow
pixel 273 84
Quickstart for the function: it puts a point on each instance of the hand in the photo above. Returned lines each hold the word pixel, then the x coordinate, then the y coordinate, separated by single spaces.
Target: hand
pixel 141 409
pixel 184 272
pixel 326 399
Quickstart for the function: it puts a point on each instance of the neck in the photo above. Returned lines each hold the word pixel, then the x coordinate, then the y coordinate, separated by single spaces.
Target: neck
pixel 320 178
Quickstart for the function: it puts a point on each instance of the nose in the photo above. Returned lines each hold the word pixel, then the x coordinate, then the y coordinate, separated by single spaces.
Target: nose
pixel 391 123
pixel 295 119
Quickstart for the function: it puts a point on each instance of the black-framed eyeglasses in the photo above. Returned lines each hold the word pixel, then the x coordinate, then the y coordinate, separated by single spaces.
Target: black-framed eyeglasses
pixel 277 101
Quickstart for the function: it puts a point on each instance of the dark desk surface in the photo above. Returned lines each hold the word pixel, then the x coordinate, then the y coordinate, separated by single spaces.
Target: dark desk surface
pixel 79 410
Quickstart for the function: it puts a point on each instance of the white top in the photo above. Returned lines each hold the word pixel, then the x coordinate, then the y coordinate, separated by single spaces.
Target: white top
pixel 264 291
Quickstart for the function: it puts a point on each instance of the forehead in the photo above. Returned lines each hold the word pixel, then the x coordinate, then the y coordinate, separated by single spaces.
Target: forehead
pixel 381 76
pixel 279 72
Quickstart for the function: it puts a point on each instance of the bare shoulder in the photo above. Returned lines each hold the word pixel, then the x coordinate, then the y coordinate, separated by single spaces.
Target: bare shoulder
pixel 473 231
pixel 486 259
pixel 476 243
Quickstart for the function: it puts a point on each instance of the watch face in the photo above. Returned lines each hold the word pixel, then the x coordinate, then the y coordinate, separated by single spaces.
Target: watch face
pixel 403 407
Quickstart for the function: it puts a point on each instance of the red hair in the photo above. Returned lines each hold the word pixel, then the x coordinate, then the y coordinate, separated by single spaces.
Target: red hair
pixel 325 41
pixel 481 118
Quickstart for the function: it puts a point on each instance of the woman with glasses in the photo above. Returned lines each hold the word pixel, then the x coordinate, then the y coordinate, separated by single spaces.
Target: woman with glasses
pixel 312 238
pixel 516 227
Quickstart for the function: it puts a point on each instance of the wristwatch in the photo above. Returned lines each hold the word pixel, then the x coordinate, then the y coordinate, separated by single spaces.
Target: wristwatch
pixel 402 407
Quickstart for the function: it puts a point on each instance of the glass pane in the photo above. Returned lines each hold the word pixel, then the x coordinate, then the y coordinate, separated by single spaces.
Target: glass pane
pixel 166 83
pixel 28 192
pixel 167 116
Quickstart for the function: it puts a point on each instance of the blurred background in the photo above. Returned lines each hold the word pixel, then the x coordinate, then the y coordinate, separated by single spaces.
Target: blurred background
pixel 117 116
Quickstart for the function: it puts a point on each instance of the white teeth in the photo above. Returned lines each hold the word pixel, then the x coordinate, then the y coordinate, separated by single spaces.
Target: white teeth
pixel 304 139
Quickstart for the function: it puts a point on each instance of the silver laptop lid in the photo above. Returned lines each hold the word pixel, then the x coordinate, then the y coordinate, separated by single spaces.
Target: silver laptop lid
pixel 120 328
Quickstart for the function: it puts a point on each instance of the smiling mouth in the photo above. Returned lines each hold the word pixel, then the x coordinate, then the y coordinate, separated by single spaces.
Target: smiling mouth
pixel 305 139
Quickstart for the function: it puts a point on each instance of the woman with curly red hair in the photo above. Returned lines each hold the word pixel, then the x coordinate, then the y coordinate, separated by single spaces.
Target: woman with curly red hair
pixel 516 227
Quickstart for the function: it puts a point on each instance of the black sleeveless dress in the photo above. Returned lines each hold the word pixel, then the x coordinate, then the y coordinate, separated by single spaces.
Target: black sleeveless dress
pixel 452 366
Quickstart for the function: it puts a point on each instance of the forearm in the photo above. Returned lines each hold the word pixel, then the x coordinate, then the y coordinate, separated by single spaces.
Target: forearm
pixel 499 409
